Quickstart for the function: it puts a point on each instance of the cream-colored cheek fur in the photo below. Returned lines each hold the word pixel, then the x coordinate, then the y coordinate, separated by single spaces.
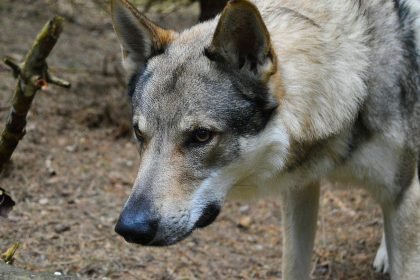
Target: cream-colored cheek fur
pixel 262 158
pixel 314 104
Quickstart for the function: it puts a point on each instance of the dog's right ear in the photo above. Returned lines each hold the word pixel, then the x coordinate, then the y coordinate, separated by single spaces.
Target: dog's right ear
pixel 140 38
pixel 242 41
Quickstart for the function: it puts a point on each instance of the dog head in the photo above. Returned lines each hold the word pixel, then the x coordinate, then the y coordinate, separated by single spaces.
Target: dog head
pixel 201 102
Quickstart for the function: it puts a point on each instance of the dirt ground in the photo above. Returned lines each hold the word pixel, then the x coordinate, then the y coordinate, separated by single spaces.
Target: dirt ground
pixel 73 170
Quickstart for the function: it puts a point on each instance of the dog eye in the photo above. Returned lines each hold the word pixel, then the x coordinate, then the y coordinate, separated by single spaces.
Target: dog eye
pixel 138 134
pixel 202 136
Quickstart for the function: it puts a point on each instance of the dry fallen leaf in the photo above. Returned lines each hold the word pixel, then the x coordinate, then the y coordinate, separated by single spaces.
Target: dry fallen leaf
pixel 245 222
pixel 8 256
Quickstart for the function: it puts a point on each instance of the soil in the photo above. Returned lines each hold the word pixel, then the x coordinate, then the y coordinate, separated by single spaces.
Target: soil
pixel 74 169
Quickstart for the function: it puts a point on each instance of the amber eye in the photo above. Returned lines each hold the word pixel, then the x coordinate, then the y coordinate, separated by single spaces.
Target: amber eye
pixel 202 135
pixel 138 134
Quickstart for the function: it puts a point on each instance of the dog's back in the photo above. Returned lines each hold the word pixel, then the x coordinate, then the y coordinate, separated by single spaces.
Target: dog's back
pixel 381 36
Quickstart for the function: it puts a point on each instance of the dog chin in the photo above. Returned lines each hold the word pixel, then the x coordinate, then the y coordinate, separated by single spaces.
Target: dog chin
pixel 169 240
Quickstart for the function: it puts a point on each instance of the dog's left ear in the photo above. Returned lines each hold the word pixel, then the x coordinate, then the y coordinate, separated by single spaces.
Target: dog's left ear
pixel 140 38
pixel 242 41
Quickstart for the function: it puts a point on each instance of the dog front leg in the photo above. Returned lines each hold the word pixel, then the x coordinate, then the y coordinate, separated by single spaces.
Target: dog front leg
pixel 381 263
pixel 402 231
pixel 300 211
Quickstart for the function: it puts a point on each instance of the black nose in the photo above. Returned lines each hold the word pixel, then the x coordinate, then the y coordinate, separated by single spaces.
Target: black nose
pixel 137 225
pixel 208 216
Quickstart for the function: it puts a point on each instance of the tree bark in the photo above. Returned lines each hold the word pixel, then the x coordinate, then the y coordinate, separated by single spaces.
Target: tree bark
pixel 210 8
pixel 32 75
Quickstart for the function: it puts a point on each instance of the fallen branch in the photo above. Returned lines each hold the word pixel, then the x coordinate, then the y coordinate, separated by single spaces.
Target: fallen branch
pixel 32 75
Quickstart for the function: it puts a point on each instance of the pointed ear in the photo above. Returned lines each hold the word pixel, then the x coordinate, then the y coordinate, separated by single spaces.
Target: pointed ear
pixel 140 38
pixel 242 41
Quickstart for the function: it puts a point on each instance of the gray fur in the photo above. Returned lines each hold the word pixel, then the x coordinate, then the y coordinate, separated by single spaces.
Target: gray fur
pixel 342 102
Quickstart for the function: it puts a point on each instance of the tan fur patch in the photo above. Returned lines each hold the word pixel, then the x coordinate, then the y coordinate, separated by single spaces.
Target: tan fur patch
pixel 275 81
pixel 161 37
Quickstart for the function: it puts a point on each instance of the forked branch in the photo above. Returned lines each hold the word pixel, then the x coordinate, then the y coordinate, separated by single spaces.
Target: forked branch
pixel 32 75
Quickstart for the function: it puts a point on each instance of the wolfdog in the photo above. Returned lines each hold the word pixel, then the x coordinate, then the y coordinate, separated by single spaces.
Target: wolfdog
pixel 275 95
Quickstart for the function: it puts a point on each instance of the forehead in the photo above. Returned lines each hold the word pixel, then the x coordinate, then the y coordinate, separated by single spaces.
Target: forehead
pixel 177 86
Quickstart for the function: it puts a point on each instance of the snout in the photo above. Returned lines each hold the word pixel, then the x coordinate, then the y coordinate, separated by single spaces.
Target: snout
pixel 139 224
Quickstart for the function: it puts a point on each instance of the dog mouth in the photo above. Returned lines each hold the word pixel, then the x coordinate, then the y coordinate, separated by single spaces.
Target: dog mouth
pixel 159 241
pixel 169 241
pixel 136 233
pixel 208 216
pixel 210 213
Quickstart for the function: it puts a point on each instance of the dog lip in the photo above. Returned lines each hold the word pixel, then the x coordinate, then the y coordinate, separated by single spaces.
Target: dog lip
pixel 210 213
pixel 168 242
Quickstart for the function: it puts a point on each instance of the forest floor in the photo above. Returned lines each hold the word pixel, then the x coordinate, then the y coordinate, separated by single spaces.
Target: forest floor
pixel 74 169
